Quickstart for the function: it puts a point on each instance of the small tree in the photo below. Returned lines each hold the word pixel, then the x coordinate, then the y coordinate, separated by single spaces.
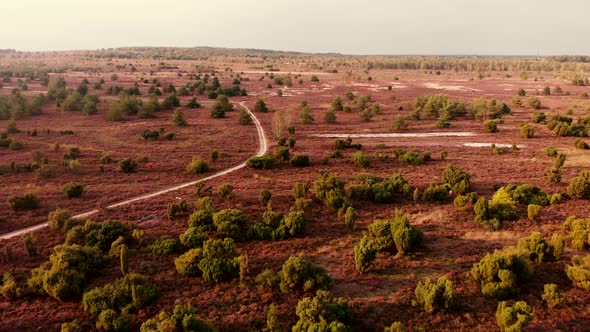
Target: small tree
pixel 306 115
pixel 265 196
pixel 244 118
pixel 124 258
pixel 330 116
pixel 350 217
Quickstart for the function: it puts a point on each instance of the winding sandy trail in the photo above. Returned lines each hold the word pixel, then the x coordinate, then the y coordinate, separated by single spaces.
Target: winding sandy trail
pixel 262 148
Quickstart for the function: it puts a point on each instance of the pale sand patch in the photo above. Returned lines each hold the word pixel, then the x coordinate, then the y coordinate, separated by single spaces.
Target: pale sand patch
pixel 488 145
pixel 438 86
pixel 399 135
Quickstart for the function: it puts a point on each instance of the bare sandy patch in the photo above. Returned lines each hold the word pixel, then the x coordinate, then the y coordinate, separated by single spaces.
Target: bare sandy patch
pixel 437 86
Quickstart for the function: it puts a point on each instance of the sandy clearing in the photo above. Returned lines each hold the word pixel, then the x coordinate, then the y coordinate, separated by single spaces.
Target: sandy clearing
pixel 437 86
pixel 488 145
pixel 262 148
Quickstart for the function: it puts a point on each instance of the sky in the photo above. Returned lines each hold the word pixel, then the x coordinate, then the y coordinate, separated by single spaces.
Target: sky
pixel 443 27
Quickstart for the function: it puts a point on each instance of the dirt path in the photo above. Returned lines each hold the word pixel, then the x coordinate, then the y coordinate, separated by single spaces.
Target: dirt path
pixel 262 148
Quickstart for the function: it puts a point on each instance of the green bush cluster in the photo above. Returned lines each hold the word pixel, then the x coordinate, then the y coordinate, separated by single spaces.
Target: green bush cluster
pixel 300 160
pixel 411 157
pixel 434 296
pixel 163 247
pixel 540 250
pixel 359 159
pixel 551 295
pixel 230 223
pixel 340 144
pixel 276 227
pixel 579 232
pixel 125 295
pixel 483 108
pixel 436 192
pixel 579 187
pixel 193 237
pixel 127 165
pixel 330 191
pixel 298 274
pixel 25 202
pixel 323 313
pixel 499 273
pixel 262 162
pixel 394 235
pixel 579 272
pixel 458 179
pixel 384 191
pixel 177 209
pixel 73 189
pixel 493 213
pixel 67 272
pixel 217 261
pixel 184 318
pixel 197 166
pixel 514 318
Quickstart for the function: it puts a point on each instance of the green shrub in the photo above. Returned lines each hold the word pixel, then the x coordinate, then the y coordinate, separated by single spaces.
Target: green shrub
pixel 396 327
pixel 514 318
pixel 219 260
pixel 300 160
pixel 163 247
pixel 201 219
pixel 102 234
pixel 551 151
pixel 178 118
pixel 29 244
pixel 298 274
pixel 73 189
pixel 350 217
pixel 26 202
pixel 492 213
pixel 386 190
pixel 126 295
pixel 188 263
pixel 435 192
pixel 127 165
pixel 551 295
pixel 579 187
pixel 527 194
pixel 560 160
pixel 323 313
pixel 109 320
pixel 499 273
pixel 8 287
pixel 260 106
pixel 262 162
pixel 533 211
pixel 539 117
pixel 268 280
pixel 193 237
pixel 177 209
pixel 432 296
pixel 579 232
pixel 527 131
pixel 225 191
pixel 16 145
pixel 330 191
pixel 365 252
pixel 230 222
pixel 264 196
pixel 73 326
pixel 58 219
pixel 66 273
pixel 553 175
pixel 538 249
pixel 184 318
pixel 457 179
pixel 491 126
pixel 360 159
pixel 581 144
pixel 197 166
pixel 579 272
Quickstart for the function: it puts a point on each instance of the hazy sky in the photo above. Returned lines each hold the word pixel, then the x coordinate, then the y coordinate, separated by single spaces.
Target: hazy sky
pixel 352 27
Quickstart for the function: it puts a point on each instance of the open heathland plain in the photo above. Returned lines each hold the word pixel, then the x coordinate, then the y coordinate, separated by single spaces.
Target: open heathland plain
pixel 396 193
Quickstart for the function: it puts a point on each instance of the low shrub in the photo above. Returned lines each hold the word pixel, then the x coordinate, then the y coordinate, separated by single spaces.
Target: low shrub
pixel 25 202
pixel 197 166
pixel 219 260
pixel 177 209
pixel 457 178
pixel 193 237
pixel 163 247
pixel 435 192
pixel 533 211
pixel 126 295
pixel 58 219
pixel 184 318
pixel 579 232
pixel 499 273
pixel 202 219
pixel 230 223
pixel 264 196
pixel 551 295
pixel 330 191
pixel 514 318
pixel 360 159
pixel 579 187
pixel 323 313
pixel 298 274
pixel 491 126
pixel 127 165
pixel 73 189
pixel 109 320
pixel 365 252
pixel 540 250
pixel 262 162
pixel 432 296
pixel 579 272
pixel 300 160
